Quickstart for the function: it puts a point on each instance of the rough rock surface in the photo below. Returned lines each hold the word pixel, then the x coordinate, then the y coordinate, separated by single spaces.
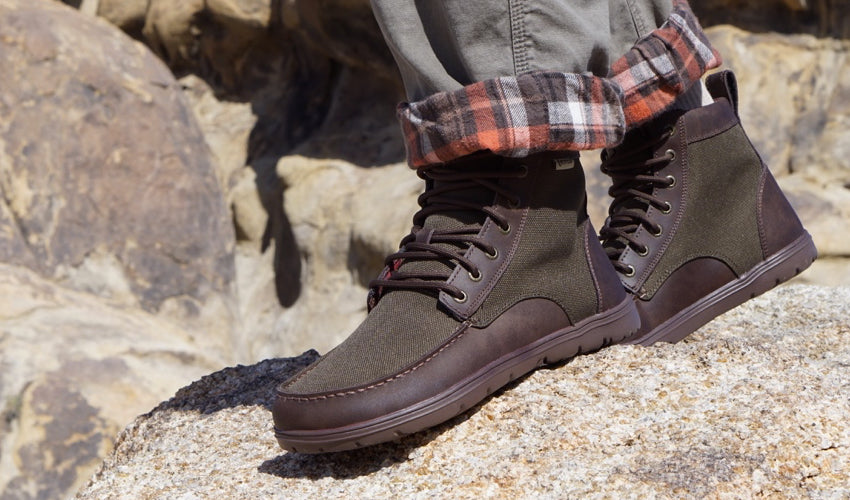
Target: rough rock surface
pixel 824 18
pixel 106 183
pixel 798 112
pixel 74 370
pixel 117 275
pixel 107 190
pixel 756 403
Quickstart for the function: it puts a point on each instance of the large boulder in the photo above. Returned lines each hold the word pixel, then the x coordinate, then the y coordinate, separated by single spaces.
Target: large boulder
pixel 795 104
pixel 108 185
pixel 117 273
pixel 74 370
pixel 825 18
pixel 754 404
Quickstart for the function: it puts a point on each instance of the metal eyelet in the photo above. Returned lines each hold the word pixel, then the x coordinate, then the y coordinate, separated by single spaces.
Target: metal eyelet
pixel 643 252
pixel 671 129
pixel 671 181
pixel 494 255
pixel 659 233
pixel 671 153
pixel 505 230
pixel 667 208
pixel 523 171
pixel 462 298
pixel 630 272
pixel 475 277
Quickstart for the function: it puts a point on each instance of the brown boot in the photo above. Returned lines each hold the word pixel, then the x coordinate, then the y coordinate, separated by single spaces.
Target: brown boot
pixel 501 273
pixel 698 224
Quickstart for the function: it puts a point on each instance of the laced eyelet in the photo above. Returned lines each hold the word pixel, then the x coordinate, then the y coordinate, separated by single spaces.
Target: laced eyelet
pixel 463 297
pixel 671 153
pixel 667 208
pixel 657 234
pixel 505 230
pixel 494 255
pixel 671 181
pixel 630 271
pixel 523 171
pixel 643 252
pixel 475 277
pixel 670 130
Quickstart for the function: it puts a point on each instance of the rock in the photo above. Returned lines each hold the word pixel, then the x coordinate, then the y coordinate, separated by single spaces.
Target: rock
pixel 107 184
pixel 240 44
pixel 825 18
pixel 74 370
pixel 755 403
pixel 321 99
pixel 167 31
pixel 343 235
pixel 129 15
pixel 117 278
pixel 801 125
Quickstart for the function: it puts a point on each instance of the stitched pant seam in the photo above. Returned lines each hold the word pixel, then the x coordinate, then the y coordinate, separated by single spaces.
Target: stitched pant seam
pixel 638 20
pixel 519 36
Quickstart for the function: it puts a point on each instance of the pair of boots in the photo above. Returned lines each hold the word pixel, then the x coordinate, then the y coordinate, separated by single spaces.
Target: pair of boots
pixel 502 272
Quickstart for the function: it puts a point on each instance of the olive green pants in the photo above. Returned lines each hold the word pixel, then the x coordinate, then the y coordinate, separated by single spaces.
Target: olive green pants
pixel 442 45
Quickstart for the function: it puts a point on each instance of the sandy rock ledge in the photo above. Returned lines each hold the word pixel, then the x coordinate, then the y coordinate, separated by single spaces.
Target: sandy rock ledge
pixel 755 403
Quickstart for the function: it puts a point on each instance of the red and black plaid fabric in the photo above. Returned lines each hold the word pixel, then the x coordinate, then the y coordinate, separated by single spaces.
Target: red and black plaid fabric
pixel 514 116
pixel 663 65
pixel 551 111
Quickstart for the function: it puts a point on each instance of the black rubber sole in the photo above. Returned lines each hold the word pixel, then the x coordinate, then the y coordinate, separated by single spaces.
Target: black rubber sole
pixel 778 268
pixel 593 333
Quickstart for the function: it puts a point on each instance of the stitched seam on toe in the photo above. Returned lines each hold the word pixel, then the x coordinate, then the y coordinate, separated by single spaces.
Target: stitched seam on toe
pixel 381 383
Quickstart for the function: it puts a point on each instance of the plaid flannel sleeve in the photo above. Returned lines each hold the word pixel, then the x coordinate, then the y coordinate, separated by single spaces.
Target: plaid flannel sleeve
pixel 554 111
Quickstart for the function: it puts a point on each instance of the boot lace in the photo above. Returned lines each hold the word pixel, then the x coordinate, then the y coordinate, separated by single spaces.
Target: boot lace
pixel 449 191
pixel 635 177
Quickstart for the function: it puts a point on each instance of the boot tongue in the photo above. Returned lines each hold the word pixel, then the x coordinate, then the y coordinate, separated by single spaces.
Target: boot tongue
pixel 448 221
pixel 454 219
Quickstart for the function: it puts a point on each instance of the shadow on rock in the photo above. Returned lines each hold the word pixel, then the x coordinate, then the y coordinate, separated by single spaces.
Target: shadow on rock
pixel 320 81
pixel 364 461
pixel 252 385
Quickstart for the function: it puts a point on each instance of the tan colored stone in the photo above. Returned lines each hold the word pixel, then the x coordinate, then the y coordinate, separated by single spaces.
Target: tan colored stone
pixel 345 219
pixel 107 184
pixel 754 404
pixel 795 106
pixel 826 18
pixel 129 15
pixel 75 370
pixel 167 30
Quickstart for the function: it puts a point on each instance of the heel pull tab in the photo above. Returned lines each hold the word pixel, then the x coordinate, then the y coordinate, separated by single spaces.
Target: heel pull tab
pixel 724 84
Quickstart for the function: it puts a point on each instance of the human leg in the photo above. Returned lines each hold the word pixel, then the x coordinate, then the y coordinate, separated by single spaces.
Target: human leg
pixel 443 45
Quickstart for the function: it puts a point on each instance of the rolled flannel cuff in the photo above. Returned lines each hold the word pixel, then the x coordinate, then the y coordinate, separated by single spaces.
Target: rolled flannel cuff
pixel 663 65
pixel 514 116
pixel 554 111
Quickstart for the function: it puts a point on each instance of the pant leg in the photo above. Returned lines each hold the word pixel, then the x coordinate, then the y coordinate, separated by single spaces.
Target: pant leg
pixel 442 45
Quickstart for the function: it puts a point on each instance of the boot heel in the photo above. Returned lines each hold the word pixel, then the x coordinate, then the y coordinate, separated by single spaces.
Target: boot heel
pixel 778 268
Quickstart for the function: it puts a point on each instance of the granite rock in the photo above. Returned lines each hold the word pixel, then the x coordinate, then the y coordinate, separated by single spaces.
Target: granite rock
pixel 800 126
pixel 117 276
pixel 129 15
pixel 74 370
pixel 107 184
pixel 753 404
pixel 824 18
